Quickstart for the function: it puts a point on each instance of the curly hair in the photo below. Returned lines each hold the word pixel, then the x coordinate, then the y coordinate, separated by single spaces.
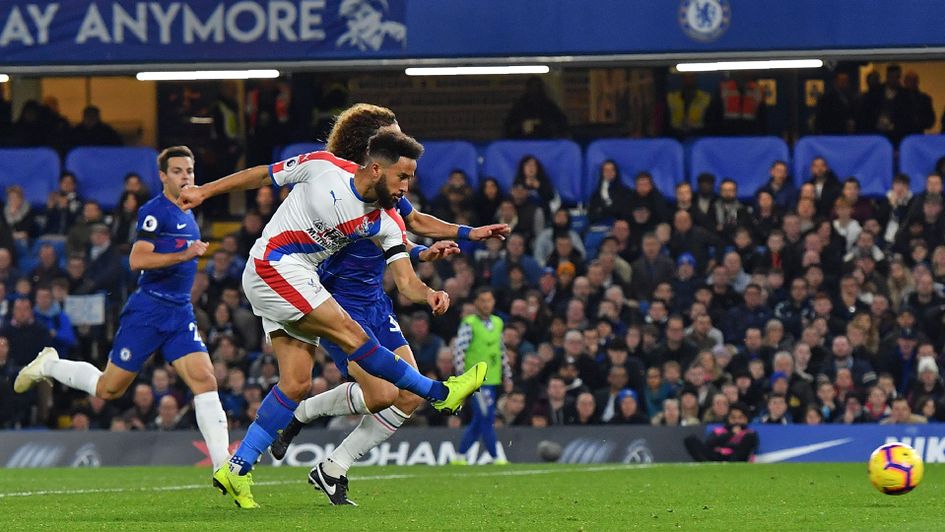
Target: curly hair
pixel 353 129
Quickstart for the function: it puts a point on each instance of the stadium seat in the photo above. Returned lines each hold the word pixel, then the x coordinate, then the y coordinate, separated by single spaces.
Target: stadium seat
pixel 439 159
pixel 743 159
pixel 867 157
pixel 918 155
pixel 35 169
pixel 663 158
pixel 561 159
pixel 299 148
pixel 101 171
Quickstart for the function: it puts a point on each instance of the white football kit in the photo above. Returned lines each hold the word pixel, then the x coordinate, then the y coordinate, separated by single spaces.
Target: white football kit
pixel 322 214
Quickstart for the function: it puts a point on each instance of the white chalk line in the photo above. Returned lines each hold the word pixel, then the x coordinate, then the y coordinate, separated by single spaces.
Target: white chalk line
pixel 183 487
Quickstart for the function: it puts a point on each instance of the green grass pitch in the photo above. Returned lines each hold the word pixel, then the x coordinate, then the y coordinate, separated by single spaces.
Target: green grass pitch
pixel 518 497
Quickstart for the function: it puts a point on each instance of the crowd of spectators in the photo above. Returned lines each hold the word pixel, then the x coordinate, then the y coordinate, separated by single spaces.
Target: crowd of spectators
pixel 808 304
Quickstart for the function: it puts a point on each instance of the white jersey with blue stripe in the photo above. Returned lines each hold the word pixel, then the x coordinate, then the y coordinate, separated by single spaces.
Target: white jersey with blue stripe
pixel 324 213
pixel 355 275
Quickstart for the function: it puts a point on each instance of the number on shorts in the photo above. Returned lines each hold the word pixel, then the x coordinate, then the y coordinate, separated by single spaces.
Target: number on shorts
pixel 394 326
pixel 193 329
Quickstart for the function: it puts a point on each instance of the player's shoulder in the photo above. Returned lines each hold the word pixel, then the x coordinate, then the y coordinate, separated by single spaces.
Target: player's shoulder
pixel 325 161
pixel 155 204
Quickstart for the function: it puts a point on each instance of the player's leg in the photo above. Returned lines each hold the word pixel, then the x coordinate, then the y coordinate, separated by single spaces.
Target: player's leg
pixel 473 431
pixel 196 370
pixel 131 348
pixel 376 428
pixel 330 321
pixel 487 395
pixel 295 359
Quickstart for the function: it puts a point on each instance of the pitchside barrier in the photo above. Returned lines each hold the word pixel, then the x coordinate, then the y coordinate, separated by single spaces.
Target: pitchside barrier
pixel 437 446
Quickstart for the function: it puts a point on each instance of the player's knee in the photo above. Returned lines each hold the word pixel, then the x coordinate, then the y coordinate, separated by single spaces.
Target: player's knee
pixel 353 335
pixel 408 402
pixel 203 382
pixel 295 389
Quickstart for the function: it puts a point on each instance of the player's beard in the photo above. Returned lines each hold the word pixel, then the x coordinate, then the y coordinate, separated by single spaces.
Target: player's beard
pixel 384 198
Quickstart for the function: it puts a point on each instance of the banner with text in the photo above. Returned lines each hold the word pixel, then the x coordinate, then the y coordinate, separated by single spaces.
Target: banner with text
pixel 128 32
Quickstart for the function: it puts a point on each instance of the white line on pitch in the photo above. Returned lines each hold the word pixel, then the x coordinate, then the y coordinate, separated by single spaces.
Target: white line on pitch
pixel 513 473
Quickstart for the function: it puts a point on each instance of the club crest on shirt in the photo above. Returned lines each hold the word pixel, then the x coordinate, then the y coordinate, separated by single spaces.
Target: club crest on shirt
pixel 363 228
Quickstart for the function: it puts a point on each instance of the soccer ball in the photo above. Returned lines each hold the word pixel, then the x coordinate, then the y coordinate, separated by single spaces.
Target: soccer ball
pixel 895 468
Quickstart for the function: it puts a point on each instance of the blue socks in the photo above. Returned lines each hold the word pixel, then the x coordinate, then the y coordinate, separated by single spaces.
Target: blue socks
pixel 382 362
pixel 274 414
pixel 482 423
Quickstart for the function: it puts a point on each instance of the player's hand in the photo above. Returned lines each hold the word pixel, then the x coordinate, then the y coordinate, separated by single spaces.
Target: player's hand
pixel 190 196
pixel 439 301
pixel 439 250
pixel 195 250
pixel 485 232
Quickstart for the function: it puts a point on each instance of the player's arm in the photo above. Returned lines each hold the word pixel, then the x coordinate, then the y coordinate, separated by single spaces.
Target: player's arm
pixel 416 290
pixel 437 251
pixel 251 178
pixel 430 226
pixel 143 256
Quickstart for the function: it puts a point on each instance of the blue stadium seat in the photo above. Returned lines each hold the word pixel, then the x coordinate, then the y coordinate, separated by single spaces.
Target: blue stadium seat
pixel 101 171
pixel 561 159
pixel 299 148
pixel 663 158
pixel 867 157
pixel 35 169
pixel 743 159
pixel 918 155
pixel 440 157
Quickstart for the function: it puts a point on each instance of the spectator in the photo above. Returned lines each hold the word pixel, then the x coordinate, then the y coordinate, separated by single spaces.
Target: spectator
pixel 738 107
pixel 511 408
pixel 487 200
pixel 104 267
pixel 92 131
pixel 585 410
pixel 79 235
pixel 729 212
pixel 687 108
pixel 249 232
pixel 535 115
pixel 546 242
pixel 557 406
pixel 920 115
pixel 733 442
pixel 886 110
pixel 650 269
pixel 628 412
pixel 50 315
pixel 168 415
pixel 527 217
pixel 135 185
pixel 776 412
pixel 610 197
pixel 424 344
pixel 780 186
pixel 18 215
pixel 827 187
pixel 835 112
pixel 48 268
pixel 124 230
pixel 26 337
pixel 142 410
pixel 901 414
pixel 515 254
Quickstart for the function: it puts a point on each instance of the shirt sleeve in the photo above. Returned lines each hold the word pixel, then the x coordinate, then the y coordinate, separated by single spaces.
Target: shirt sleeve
pixel 148 225
pixel 297 169
pixel 392 238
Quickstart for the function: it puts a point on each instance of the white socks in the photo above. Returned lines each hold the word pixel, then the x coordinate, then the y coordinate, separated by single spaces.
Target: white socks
pixel 79 375
pixel 212 423
pixel 372 430
pixel 342 400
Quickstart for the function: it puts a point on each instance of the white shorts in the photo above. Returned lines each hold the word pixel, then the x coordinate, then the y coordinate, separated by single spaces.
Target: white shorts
pixel 281 292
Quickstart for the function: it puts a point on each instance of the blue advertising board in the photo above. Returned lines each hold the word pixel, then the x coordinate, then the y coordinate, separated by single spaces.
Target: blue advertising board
pixel 845 443
pixel 127 32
